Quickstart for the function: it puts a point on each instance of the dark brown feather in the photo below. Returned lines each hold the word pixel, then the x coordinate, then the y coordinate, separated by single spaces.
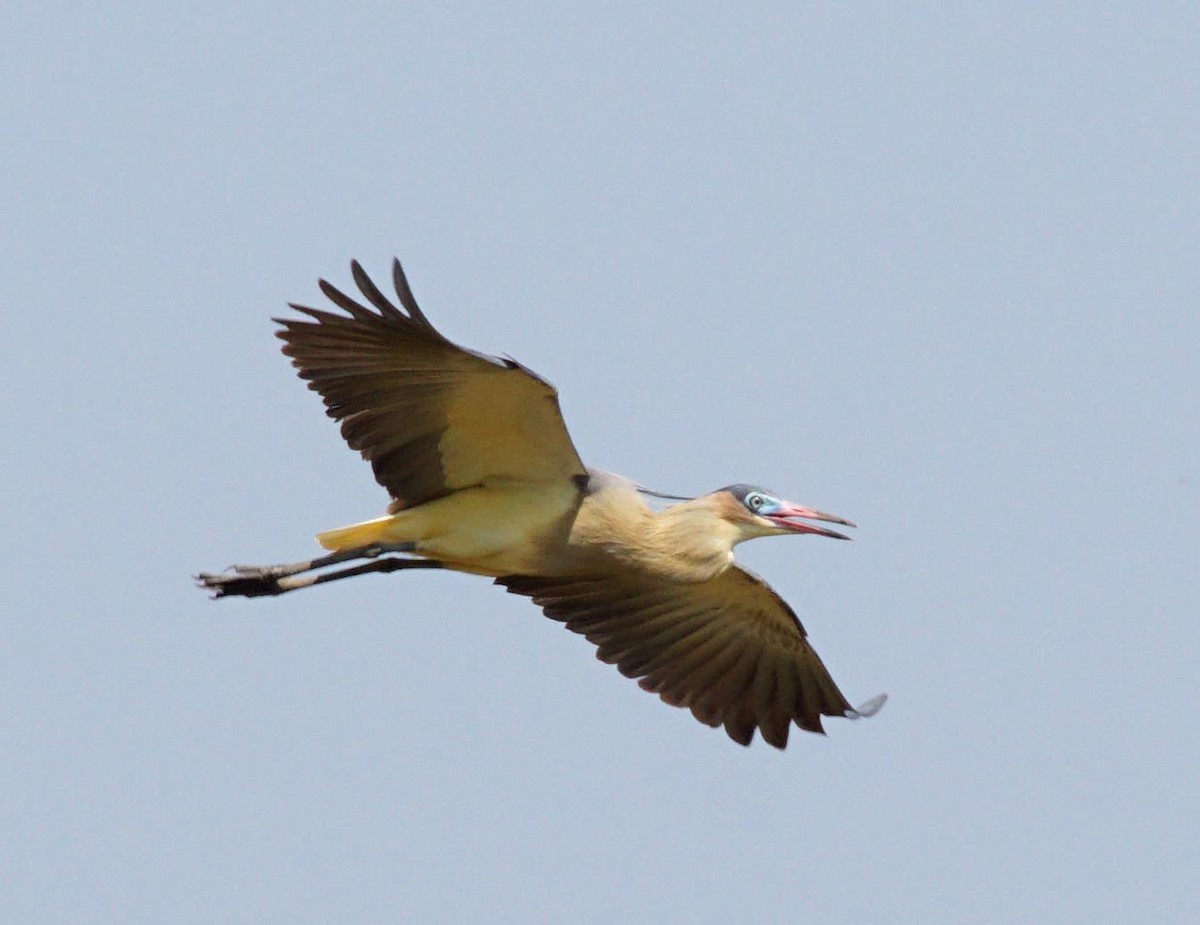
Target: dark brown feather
pixel 431 417
pixel 729 648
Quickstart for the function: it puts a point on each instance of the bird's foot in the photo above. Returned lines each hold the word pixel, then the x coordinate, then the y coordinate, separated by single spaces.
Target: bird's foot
pixel 243 581
pixel 268 580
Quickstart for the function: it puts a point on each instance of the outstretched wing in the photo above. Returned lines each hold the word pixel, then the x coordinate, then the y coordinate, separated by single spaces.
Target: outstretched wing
pixel 431 417
pixel 729 648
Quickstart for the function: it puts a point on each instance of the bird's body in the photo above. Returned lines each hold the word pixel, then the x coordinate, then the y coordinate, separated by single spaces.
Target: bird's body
pixel 526 528
pixel 504 528
pixel 484 479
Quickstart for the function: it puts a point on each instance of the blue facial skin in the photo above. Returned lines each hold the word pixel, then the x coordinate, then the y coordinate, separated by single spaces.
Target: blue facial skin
pixel 757 500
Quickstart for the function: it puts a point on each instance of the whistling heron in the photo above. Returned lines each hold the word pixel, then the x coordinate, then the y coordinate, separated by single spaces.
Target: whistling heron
pixel 484 479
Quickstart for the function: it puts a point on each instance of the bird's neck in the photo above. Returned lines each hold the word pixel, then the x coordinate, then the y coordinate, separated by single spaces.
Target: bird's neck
pixel 686 542
pixel 689 543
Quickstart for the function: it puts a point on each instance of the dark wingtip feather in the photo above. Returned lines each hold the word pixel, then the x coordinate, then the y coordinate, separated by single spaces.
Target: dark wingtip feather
pixel 774 733
pixel 385 310
pixel 811 724
pixel 345 303
pixel 405 294
pixel 740 730
pixel 304 310
pixel 368 288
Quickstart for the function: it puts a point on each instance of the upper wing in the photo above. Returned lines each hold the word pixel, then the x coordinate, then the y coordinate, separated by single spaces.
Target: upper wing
pixel 430 416
pixel 729 648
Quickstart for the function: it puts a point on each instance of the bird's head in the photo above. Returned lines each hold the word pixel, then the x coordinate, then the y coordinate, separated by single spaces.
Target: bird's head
pixel 756 512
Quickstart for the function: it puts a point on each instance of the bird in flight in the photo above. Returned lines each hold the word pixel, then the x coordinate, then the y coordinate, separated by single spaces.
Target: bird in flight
pixel 484 479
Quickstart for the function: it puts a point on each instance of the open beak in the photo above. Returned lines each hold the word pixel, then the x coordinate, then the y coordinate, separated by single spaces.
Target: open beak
pixel 792 516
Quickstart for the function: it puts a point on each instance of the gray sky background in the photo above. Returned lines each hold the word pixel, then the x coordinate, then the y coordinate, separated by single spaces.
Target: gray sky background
pixel 930 266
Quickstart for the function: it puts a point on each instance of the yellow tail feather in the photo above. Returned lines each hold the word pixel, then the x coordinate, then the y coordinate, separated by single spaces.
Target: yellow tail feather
pixel 367 533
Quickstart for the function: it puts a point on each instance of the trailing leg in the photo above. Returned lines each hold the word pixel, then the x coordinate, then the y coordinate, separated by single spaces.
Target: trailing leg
pixel 263 580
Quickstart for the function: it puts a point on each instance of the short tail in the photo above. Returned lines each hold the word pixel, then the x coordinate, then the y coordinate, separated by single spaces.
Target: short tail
pixel 367 533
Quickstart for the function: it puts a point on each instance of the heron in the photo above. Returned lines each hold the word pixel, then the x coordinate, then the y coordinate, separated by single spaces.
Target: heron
pixel 484 479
